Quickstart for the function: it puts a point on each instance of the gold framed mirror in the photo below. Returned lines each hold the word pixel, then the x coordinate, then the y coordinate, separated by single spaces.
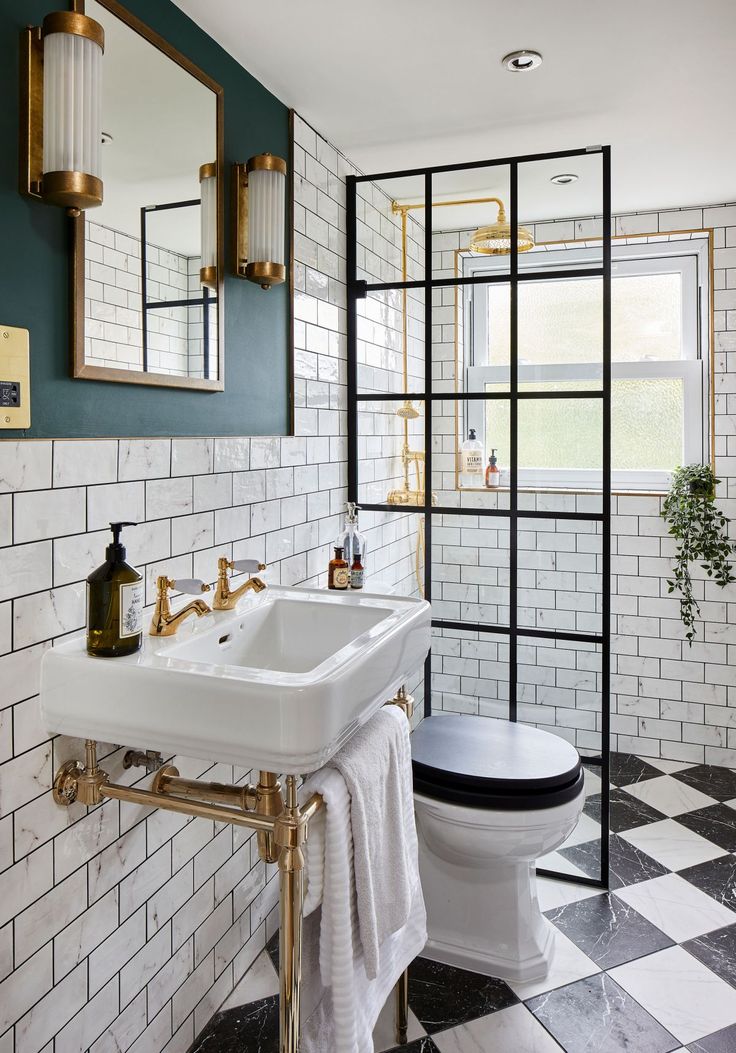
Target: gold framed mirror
pixel 148 264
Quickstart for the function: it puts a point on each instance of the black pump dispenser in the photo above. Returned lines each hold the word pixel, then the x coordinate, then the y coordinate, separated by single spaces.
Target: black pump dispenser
pixel 114 602
pixel 116 549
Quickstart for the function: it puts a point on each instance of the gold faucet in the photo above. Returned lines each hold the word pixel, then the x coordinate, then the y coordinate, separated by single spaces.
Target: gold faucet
pixel 164 623
pixel 225 597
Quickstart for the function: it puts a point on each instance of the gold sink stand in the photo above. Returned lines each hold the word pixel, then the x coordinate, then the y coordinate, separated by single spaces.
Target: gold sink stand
pixel 282 827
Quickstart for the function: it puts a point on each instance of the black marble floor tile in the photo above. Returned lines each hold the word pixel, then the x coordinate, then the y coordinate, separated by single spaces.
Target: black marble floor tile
pixel 252 1028
pixel 273 950
pixel 718 783
pixel 716 823
pixel 419 1045
pixel 608 930
pixel 719 1042
pixel 717 950
pixel 596 1014
pixel 592 807
pixel 626 769
pixel 442 997
pixel 628 865
pixel 716 877
pixel 628 812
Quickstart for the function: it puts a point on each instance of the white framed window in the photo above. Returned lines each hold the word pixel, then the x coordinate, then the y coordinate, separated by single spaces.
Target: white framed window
pixel 660 356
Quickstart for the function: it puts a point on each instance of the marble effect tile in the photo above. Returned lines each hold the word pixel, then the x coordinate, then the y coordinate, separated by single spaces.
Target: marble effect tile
pixel 552 893
pixel 717 950
pixel 420 1045
pixel 669 795
pixel 676 907
pixel 443 997
pixel 716 823
pixel 250 1029
pixel 627 864
pixel 672 845
pixel 608 930
pixel 261 981
pixel 384 1033
pixel 510 1029
pixel 568 965
pixel 717 878
pixel 626 769
pixel 721 1042
pixel 665 984
pixel 667 766
pixel 719 783
pixel 596 1014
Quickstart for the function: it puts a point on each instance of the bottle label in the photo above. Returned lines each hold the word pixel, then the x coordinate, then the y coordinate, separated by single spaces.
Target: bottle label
pixel 131 609
pixel 356 578
pixel 341 578
pixel 473 462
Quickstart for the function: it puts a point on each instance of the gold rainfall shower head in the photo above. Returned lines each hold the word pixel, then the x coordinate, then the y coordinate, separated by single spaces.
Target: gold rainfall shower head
pixel 407 410
pixel 495 239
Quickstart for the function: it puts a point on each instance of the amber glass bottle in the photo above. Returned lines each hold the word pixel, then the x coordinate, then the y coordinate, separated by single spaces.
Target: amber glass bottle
pixel 338 572
pixel 357 573
pixel 114 603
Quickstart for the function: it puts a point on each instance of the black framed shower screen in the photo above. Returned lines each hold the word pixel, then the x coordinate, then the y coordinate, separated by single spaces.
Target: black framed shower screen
pixel 358 289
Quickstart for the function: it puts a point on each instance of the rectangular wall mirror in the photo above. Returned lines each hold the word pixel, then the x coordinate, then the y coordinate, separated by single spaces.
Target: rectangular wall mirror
pixel 148 263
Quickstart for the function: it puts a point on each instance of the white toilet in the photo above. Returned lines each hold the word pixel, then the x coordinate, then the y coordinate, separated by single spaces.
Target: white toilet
pixel 491 798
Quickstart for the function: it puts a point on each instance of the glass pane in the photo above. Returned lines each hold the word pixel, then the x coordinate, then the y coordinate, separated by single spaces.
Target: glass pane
pixel 646 317
pixel 470 569
pixel 548 439
pixel 390 341
pixel 470 207
pixel 391 452
pixel 383 254
pixel 647 423
pixel 470 673
pixel 559 572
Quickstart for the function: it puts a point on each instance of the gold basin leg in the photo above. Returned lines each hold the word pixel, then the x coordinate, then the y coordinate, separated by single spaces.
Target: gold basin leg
pixel 291 874
pixel 402 1008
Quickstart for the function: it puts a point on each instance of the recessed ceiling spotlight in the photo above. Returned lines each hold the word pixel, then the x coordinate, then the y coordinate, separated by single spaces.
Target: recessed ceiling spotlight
pixel 521 61
pixel 564 178
pixel 105 138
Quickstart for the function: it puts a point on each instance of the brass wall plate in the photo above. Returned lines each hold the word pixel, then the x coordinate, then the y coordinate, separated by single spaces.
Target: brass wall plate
pixel 15 378
pixel 239 219
pixel 30 125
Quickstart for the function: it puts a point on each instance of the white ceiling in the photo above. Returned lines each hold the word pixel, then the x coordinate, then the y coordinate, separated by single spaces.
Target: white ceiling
pixel 403 83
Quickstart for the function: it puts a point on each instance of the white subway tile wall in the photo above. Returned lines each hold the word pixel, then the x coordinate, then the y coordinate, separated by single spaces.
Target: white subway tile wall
pixel 123 928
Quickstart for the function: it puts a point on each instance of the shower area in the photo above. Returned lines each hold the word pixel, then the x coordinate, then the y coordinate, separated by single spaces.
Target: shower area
pixel 466 311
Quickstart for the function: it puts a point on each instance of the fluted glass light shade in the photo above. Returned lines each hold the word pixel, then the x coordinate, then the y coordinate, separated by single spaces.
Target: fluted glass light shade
pixel 266 220
pixel 73 46
pixel 208 195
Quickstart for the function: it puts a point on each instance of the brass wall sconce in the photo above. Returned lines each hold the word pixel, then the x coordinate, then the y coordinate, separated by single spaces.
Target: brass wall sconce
pixel 259 220
pixel 208 213
pixel 61 111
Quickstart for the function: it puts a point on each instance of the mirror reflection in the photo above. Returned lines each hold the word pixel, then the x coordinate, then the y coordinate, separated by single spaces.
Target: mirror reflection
pixel 151 300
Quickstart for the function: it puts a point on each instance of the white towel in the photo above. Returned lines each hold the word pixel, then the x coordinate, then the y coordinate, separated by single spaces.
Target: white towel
pixel 340 1001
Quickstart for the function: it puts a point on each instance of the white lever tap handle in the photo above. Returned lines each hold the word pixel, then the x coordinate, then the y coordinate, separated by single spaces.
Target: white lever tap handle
pixel 192 586
pixel 247 566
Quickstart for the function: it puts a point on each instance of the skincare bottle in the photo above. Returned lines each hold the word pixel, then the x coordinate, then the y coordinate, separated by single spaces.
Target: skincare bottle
pixel 357 573
pixel 471 461
pixel 351 540
pixel 493 472
pixel 114 603
pixel 338 572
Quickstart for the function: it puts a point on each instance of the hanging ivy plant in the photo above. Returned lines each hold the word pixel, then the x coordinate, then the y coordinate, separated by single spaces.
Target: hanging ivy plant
pixel 701 532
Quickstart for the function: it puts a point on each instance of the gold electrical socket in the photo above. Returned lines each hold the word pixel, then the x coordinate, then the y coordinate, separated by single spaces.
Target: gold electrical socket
pixel 15 378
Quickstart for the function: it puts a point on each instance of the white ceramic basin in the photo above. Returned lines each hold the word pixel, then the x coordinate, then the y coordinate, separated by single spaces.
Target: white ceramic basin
pixel 280 683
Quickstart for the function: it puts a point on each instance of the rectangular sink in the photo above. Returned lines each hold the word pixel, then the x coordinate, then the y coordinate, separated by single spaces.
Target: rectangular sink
pixel 280 683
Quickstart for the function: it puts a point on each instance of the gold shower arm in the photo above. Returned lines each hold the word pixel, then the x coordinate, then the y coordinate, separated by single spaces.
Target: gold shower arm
pixel 397 208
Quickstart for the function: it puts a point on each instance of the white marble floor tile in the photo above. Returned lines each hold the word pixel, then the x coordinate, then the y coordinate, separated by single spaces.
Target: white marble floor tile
pixel 553 894
pixel 667 766
pixel 676 907
pixel 731 804
pixel 261 981
pixel 560 865
pixel 669 796
pixel 592 782
pixel 685 997
pixel 512 1030
pixel 384 1033
pixel 586 830
pixel 569 964
pixel 671 844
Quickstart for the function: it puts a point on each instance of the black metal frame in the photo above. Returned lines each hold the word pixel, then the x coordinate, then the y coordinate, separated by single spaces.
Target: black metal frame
pixel 357 289
pixel 205 301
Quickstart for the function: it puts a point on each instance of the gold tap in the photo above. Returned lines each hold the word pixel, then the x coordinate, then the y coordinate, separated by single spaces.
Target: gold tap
pixel 164 623
pixel 225 597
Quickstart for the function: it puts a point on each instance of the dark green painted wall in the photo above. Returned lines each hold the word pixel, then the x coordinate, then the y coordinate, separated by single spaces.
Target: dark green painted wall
pixel 34 270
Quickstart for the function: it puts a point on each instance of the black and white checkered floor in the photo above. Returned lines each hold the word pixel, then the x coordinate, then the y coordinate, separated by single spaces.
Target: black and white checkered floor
pixel 649 967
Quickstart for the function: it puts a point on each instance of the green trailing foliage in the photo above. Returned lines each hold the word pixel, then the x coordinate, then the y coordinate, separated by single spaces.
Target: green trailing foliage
pixel 701 532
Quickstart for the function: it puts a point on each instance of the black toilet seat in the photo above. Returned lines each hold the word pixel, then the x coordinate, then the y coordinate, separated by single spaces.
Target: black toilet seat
pixel 481 762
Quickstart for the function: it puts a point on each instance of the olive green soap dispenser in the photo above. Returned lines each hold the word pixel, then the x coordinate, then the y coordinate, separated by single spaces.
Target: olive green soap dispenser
pixel 114 603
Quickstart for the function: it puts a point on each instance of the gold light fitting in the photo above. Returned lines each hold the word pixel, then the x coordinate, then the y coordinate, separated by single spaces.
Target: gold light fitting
pixel 259 220
pixel 61 111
